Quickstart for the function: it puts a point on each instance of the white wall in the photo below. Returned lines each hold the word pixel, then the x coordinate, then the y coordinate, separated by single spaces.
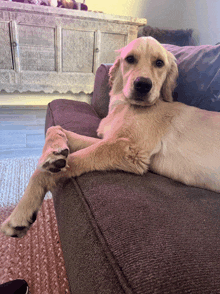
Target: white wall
pixel 203 16
pixel 212 28
pixel 118 7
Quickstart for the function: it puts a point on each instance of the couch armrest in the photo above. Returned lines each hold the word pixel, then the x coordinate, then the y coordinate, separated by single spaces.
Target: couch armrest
pixel 75 116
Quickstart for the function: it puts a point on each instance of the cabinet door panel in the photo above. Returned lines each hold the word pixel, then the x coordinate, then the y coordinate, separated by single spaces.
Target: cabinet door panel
pixel 77 51
pixel 37 48
pixel 5 47
pixel 109 43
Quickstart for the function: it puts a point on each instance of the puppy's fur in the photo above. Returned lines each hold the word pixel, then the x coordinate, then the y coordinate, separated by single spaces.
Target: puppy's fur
pixel 144 130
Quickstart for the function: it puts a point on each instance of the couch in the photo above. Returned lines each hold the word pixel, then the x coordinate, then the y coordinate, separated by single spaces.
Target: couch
pixel 125 233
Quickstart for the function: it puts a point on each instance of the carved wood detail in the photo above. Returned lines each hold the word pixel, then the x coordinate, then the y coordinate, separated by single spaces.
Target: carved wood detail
pixel 52 49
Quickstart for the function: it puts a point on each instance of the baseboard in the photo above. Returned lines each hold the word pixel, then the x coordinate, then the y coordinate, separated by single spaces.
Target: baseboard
pixel 23 107
pixel 38 99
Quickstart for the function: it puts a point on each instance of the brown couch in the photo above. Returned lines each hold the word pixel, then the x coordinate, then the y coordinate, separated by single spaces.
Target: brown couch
pixel 124 233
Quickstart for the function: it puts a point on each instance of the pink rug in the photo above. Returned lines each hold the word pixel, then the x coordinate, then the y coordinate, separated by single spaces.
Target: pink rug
pixel 38 257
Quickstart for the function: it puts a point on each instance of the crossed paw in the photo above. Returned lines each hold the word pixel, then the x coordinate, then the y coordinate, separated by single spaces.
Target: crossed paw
pixel 54 161
pixel 55 152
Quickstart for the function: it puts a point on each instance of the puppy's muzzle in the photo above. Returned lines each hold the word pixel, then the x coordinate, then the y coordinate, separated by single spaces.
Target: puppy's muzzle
pixel 142 86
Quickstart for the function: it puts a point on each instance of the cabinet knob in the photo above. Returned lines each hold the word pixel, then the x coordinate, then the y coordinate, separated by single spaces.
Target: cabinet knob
pixel 14 44
pixel 97 50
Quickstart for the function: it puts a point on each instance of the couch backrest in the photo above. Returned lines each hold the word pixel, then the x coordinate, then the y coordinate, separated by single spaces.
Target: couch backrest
pixel 100 98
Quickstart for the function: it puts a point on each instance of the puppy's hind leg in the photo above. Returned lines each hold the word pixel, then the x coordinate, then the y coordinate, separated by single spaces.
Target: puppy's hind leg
pixel 25 213
pixel 59 143
pixel 51 166
pixel 55 151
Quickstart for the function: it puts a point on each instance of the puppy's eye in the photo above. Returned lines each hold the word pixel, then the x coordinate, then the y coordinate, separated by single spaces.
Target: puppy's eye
pixel 130 59
pixel 159 63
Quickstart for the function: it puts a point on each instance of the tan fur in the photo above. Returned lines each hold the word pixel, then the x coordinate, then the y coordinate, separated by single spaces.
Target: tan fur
pixel 170 138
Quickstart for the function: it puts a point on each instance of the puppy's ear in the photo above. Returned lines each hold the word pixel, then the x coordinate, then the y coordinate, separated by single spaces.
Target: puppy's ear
pixel 113 71
pixel 170 83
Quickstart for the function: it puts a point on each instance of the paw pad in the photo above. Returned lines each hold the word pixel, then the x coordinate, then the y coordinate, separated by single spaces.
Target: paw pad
pixel 56 161
pixel 20 228
pixel 56 166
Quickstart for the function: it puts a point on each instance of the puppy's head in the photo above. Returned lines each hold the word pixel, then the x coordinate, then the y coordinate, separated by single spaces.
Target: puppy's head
pixel 144 72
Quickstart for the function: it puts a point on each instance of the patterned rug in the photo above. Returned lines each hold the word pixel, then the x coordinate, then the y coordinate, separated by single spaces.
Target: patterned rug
pixel 38 257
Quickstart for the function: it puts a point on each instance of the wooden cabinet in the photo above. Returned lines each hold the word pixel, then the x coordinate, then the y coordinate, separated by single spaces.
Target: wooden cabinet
pixel 53 49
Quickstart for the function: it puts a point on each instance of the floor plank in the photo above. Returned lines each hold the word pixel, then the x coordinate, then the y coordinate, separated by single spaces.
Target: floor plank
pixel 21 132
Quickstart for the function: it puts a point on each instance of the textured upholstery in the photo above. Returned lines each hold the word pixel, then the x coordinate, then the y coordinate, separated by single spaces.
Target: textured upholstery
pixel 124 233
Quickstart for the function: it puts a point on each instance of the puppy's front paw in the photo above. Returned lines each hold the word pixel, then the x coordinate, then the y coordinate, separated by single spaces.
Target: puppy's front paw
pixel 55 161
pixel 17 225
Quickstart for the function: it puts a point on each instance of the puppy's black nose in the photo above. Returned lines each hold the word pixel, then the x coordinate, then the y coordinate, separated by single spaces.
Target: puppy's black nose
pixel 142 85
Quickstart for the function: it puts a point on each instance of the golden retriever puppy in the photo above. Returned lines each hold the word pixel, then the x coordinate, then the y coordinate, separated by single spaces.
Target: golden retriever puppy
pixel 143 130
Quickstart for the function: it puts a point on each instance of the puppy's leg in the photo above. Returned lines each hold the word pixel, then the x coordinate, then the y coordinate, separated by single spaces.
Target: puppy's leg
pixel 59 143
pixel 25 213
pixel 103 155
pixel 77 142
pixel 108 155
pixel 51 163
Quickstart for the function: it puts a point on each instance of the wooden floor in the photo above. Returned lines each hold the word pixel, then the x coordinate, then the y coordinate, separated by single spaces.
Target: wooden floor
pixel 21 132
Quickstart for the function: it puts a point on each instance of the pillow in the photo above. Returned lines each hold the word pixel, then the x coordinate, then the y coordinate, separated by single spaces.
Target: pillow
pixel 199 75
pixel 175 37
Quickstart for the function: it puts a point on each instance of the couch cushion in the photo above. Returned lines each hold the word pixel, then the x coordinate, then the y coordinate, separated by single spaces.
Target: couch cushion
pixel 198 82
pixel 124 233
pixel 87 259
